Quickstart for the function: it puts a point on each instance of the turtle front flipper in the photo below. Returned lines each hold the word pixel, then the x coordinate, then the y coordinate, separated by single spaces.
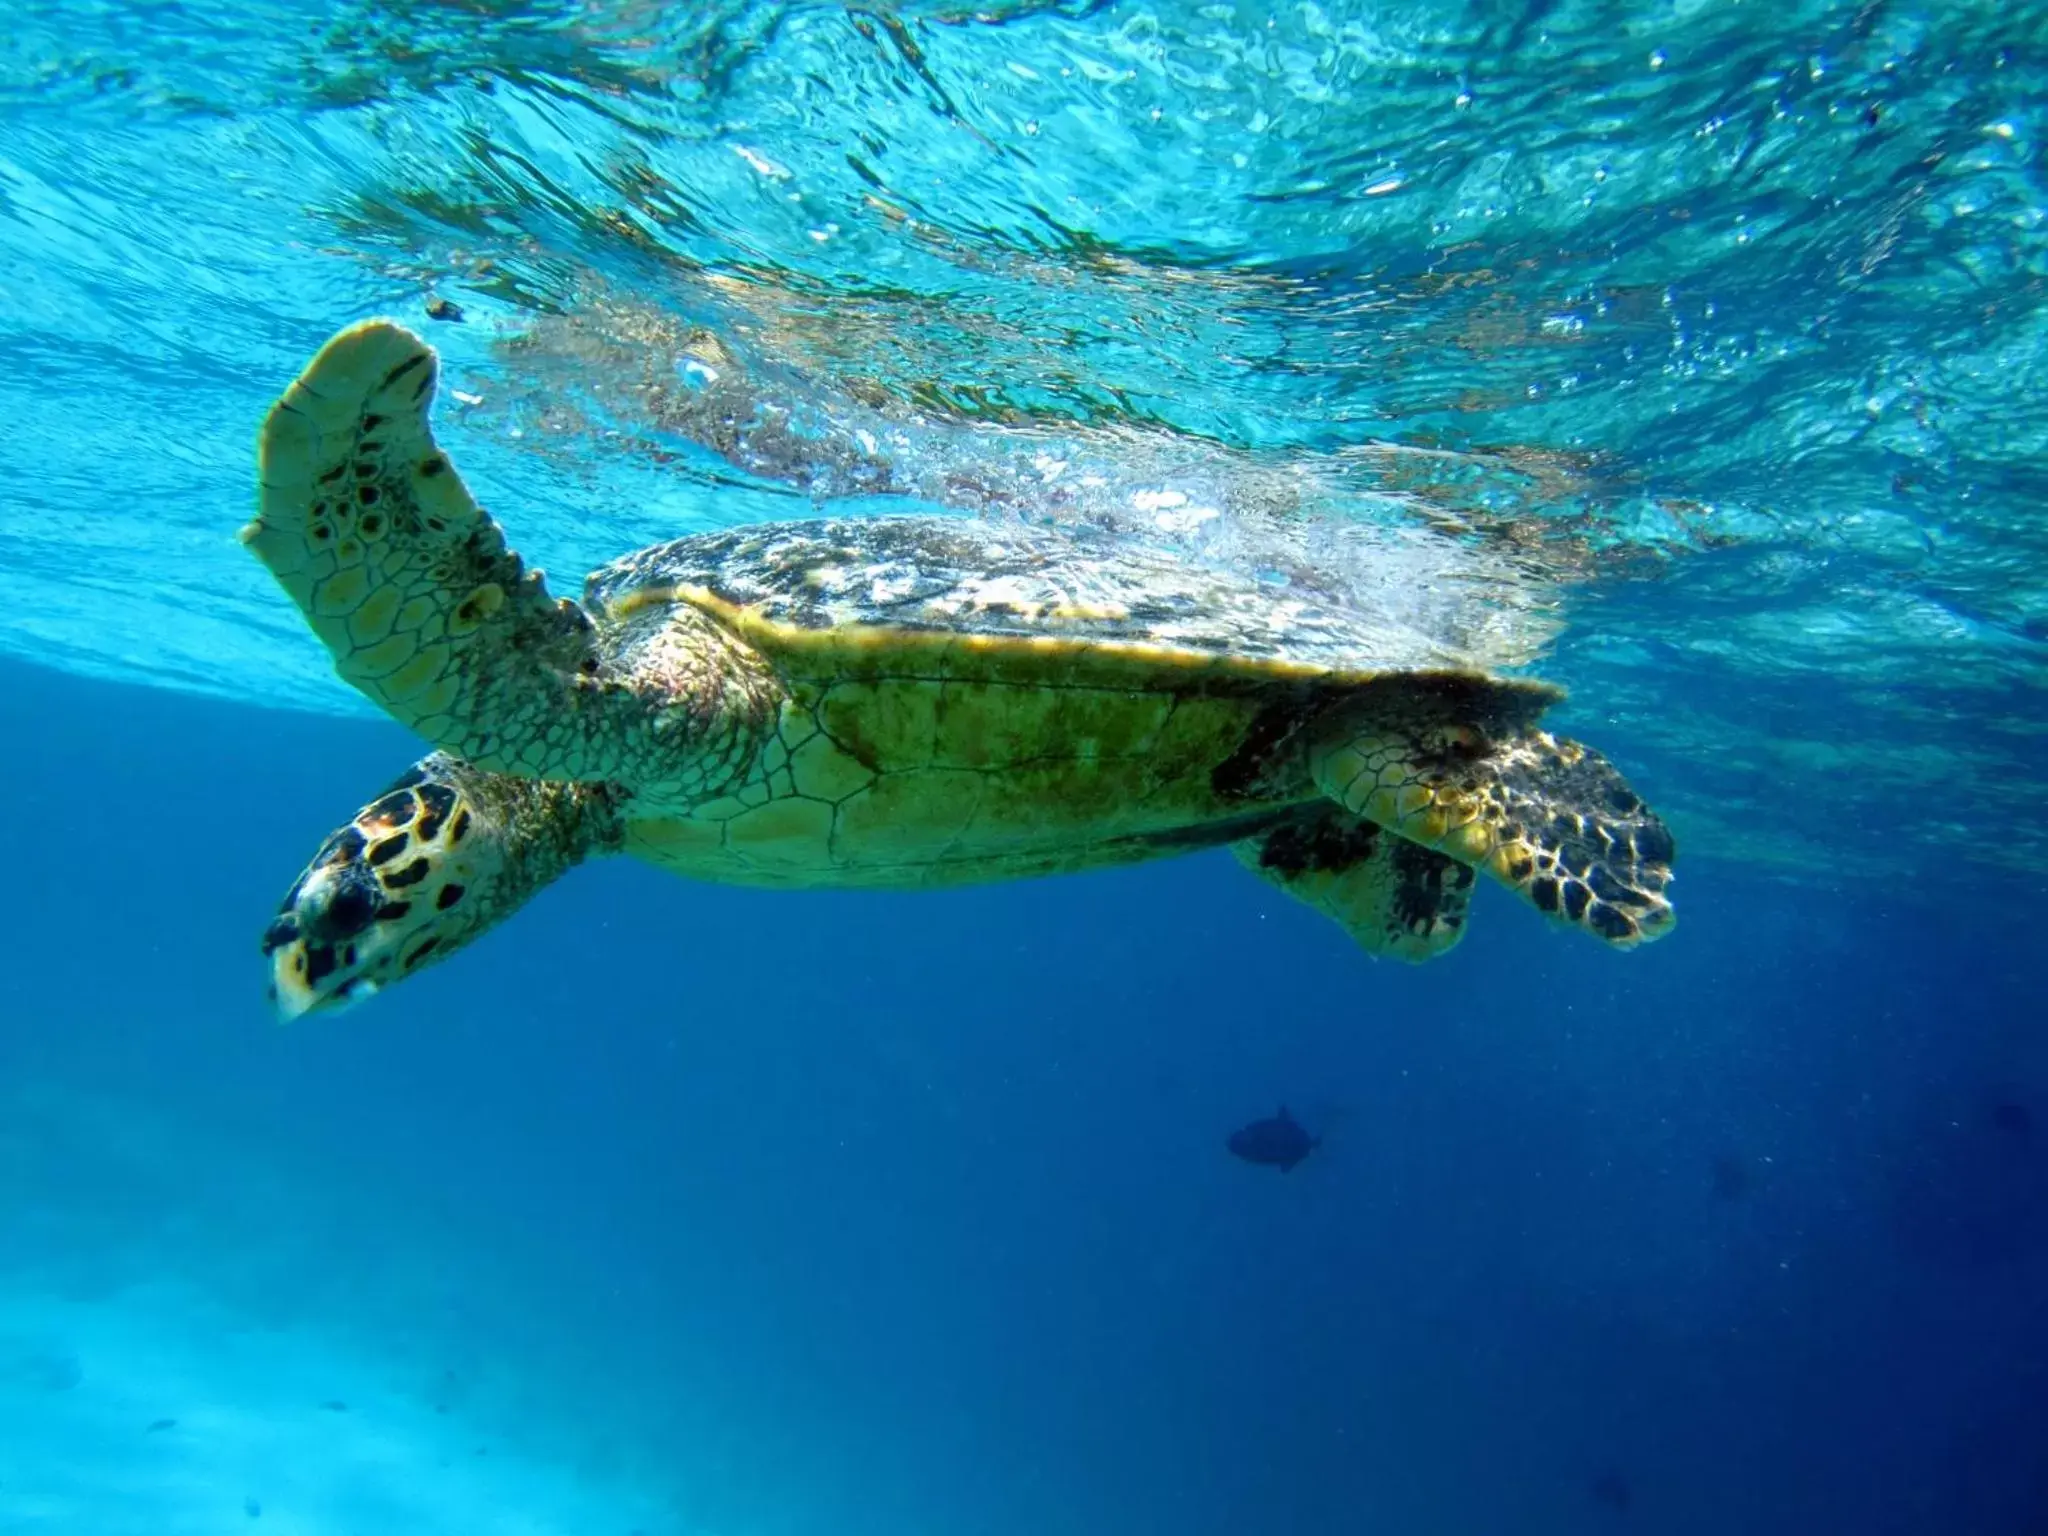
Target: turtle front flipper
pixel 1551 819
pixel 443 854
pixel 366 525
pixel 1393 896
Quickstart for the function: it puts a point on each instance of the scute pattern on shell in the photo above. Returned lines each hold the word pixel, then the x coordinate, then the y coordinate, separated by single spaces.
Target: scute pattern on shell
pixel 957 575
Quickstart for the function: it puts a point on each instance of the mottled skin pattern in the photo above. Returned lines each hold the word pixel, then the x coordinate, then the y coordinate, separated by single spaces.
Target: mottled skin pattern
pixel 410 585
pixel 442 854
pixel 1552 819
pixel 1397 897
pixel 896 702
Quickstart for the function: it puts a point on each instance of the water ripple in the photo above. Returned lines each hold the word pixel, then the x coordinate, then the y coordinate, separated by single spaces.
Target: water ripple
pixel 1692 354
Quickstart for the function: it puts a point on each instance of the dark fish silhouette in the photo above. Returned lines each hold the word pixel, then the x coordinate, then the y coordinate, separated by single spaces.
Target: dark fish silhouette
pixel 1277 1143
pixel 2012 1117
pixel 1612 1489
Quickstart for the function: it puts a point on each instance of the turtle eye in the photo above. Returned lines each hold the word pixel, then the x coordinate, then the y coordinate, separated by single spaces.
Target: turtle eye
pixel 339 908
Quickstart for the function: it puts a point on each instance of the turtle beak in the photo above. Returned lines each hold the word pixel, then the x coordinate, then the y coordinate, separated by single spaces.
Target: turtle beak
pixel 312 943
pixel 292 998
pixel 291 993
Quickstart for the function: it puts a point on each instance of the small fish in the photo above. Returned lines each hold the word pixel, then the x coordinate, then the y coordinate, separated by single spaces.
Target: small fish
pixel 252 1509
pixel 439 308
pixel 2014 1118
pixel 160 1426
pixel 335 1405
pixel 1279 1142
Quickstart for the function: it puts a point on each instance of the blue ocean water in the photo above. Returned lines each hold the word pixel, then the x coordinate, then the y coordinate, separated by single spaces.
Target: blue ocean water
pixel 1687 355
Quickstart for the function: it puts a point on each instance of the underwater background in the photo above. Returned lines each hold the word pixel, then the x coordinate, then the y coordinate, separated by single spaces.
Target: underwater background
pixel 1692 356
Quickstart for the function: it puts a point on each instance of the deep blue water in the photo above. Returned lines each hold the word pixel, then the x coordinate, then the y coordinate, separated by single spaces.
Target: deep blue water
pixel 1691 356
pixel 843 1212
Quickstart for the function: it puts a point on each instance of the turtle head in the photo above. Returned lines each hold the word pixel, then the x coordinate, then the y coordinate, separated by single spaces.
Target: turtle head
pixel 439 857
pixel 394 889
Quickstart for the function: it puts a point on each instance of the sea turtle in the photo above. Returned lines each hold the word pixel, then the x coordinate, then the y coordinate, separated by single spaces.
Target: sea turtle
pixel 892 701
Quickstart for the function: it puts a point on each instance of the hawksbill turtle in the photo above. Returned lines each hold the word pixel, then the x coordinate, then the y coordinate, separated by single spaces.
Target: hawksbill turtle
pixel 891 701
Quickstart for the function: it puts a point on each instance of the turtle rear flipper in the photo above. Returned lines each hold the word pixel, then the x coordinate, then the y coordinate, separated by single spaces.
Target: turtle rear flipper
pixel 1549 818
pixel 1393 896
pixel 366 525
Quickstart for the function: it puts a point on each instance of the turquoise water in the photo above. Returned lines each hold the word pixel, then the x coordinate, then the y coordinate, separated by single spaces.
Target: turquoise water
pixel 1723 329
pixel 1688 355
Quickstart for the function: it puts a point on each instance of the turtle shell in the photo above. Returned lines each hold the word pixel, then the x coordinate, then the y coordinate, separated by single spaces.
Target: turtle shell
pixel 970 700
pixel 1032 592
